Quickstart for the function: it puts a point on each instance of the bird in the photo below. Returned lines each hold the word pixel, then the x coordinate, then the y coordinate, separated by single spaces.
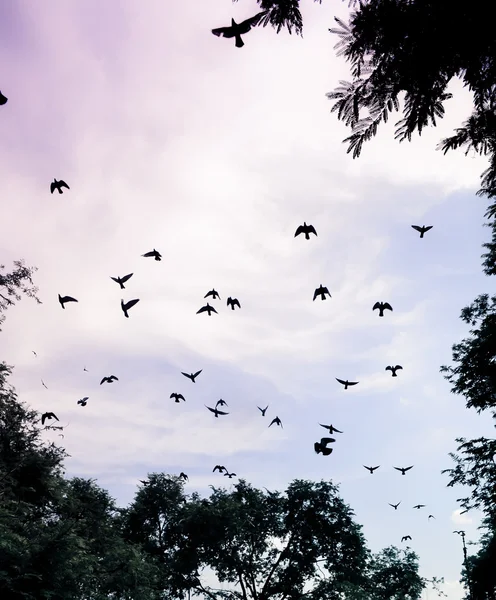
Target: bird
pixel 431 517
pixel 306 229
pixel 406 537
pixel 58 185
pixel 207 308
pixel 230 475
pixel 372 469
pixel 34 353
pixel 221 403
pixel 214 293
pixel 321 291
pixel 64 299
pixel 219 468
pixel 331 428
pixel 395 506
pixel 263 410
pixel 382 306
pixel 85 369
pixel 216 411
pixel 183 476
pixel 48 415
pixel 460 532
pixel 83 401
pixel 346 383
pixel 125 307
pixel 178 397
pixel 43 384
pixel 393 369
pixel 3 99
pixel 277 421
pixel 403 469
pixel 235 30
pixel 321 447
pixel 232 302
pixel 122 280
pixel 110 379
pixel 192 376
pixel 422 229
pixel 156 255
pixel 418 506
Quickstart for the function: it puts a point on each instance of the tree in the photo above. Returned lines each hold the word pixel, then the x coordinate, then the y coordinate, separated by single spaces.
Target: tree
pixel 479 574
pixel 13 284
pixel 283 13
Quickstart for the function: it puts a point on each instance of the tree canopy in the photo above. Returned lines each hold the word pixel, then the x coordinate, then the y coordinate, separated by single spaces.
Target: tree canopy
pixel 13 284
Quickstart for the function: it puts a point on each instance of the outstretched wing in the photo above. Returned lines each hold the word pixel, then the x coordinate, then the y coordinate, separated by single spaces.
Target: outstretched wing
pixel 311 229
pixel 341 381
pixel 62 183
pixel 125 278
pixel 186 375
pixel 327 440
pixel 352 382
pixel 236 302
pixel 53 187
pixel 377 305
pixel 245 26
pixel 103 380
pixel 326 451
pixel 316 293
pixel 398 367
pixel 116 279
pixel 317 447
pixel 197 373
pixel 227 32
pixel 299 229
pixel 210 293
pixel 428 227
pixel 147 254
pixel 68 299
pixel 219 412
pixel 202 309
pixel 417 228
pixel 387 305
pixel 408 468
pixel 389 368
pixel 131 303
pixel 210 409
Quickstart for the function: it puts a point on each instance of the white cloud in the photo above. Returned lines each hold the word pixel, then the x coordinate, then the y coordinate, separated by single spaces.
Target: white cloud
pixel 459 519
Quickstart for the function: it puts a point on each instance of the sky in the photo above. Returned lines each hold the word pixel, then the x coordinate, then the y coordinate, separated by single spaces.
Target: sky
pixel 174 139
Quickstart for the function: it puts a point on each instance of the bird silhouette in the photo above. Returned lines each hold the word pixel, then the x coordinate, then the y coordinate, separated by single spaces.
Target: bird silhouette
pixel 178 397
pixel 219 468
pixel 306 229
pixel 431 517
pixel 346 383
pixel 406 537
pixel 382 306
pixel 213 293
pixel 372 469
pixel 64 299
pixel 321 291
pixel 403 469
pixel 232 302
pixel 192 376
pixel 393 369
pixel 48 415
pixel 422 229
pixel 221 403
pixel 277 421
pixel 263 410
pixel 128 305
pixel 58 185
pixel 460 532
pixel 235 30
pixel 183 476
pixel 418 506
pixel 3 99
pixel 207 308
pixel 43 383
pixel 122 280
pixel 230 475
pixel 109 379
pixel 156 255
pixel 83 401
pixel 331 428
pixel 395 506
pixel 321 447
pixel 216 411
pixel 34 353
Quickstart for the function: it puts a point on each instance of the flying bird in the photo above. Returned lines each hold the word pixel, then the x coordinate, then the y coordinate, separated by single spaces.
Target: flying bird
pixel 419 506
pixel 216 411
pixel 48 415
pixel 219 468
pixel 64 299
pixel 395 506
pixel 85 369
pixel 83 401
pixel 460 532
pixel 331 428
pixel 3 99
pixel 306 229
pixel 183 476
pixel 346 383
pixel 393 369
pixel 232 302
pixel 207 308
pixel 192 376
pixel 403 469
pixel 43 383
pixel 178 397
pixel 110 379
pixel 128 305
pixel 235 30
pixel 221 403
pixel 34 353
pixel 406 537
pixel 58 185
pixel 277 421
pixel 156 255
pixel 263 410
pixel 230 475
pixel 372 469
pixel 321 291
pixel 431 517
pixel 321 447
pixel 422 229
pixel 214 293
pixel 382 306
pixel 122 280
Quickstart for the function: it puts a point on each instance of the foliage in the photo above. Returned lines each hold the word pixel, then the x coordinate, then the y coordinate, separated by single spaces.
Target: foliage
pixel 479 574
pixel 283 13
pixel 13 284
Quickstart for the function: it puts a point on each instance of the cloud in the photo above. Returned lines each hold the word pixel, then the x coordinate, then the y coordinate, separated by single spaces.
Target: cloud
pixel 459 519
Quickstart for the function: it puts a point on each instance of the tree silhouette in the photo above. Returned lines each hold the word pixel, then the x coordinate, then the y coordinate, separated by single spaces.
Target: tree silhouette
pixel 13 284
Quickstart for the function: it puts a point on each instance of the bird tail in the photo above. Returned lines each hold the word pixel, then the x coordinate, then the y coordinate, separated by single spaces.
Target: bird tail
pixel 122 285
pixel 126 315
pixel 239 41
